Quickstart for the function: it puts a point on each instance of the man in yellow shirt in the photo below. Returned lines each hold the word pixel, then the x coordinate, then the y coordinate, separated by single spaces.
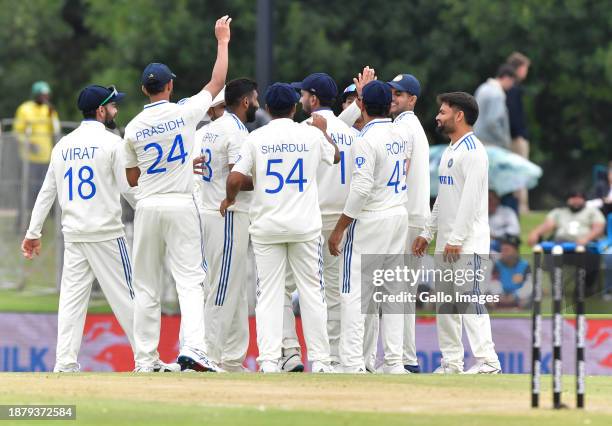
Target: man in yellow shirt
pixel 36 124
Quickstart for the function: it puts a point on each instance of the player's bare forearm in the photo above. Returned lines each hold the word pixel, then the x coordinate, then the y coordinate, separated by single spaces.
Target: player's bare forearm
pixel 233 185
pixel 247 181
pixel 320 123
pixel 336 150
pixel 232 188
pixel 219 72
pixel 132 174
pixel 247 184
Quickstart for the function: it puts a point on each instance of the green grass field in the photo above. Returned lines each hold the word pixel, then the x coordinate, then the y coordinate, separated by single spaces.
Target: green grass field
pixel 303 399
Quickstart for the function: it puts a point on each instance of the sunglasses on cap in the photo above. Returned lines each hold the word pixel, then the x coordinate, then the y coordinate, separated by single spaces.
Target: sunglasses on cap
pixel 114 92
pixel 350 88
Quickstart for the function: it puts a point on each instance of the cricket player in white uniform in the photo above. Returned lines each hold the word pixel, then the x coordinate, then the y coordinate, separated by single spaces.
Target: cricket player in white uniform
pixel 291 360
pixel 159 144
pixel 283 158
pixel 226 239
pixel 87 175
pixel 318 94
pixel 370 338
pixel 460 217
pixel 406 90
pixel 377 223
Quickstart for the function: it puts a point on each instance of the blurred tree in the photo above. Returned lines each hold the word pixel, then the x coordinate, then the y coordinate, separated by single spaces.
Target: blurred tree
pixel 447 44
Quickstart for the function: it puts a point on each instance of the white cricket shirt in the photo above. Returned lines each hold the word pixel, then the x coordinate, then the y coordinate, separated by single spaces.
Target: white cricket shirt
pixel 378 183
pixel 334 182
pixel 460 214
pixel 87 173
pixel 220 143
pixel 417 180
pixel 283 157
pixel 160 141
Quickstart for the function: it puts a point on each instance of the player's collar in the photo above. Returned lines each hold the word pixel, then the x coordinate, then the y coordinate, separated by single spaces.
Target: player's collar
pixel 403 114
pixel 155 104
pixel 372 123
pixel 91 122
pixel 460 140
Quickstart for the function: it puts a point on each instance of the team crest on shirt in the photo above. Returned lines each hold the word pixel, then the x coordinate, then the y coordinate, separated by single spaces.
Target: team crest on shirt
pixel 450 163
pixel 360 161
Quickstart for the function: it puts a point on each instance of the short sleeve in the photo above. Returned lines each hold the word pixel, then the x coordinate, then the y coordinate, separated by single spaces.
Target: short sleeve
pixel 245 160
pixel 129 154
pixel 327 150
pixel 196 106
pixel 235 141
pixel 597 217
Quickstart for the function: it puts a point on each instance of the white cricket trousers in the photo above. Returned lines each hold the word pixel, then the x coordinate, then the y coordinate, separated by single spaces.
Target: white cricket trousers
pixel 476 320
pixel 226 312
pixel 167 225
pixel 108 262
pixel 410 355
pixel 331 278
pixel 306 262
pixel 370 235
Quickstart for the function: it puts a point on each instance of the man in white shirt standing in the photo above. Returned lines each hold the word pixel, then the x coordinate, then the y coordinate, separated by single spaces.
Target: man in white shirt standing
pixel 460 218
pixel 283 157
pixel 159 145
pixel 406 90
pixel 226 239
pixel 318 95
pixel 87 175
pixel 377 222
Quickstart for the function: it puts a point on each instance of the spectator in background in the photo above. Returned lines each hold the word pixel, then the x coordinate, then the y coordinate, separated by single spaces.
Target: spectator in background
pixel 36 125
pixel 493 124
pixel 575 223
pixel 511 277
pixel 518 129
pixel 348 97
pixel 603 201
pixel 502 221
pixel 603 193
pixel 514 101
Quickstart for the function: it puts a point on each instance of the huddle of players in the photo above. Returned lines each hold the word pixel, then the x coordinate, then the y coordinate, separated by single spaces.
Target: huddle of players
pixel 312 197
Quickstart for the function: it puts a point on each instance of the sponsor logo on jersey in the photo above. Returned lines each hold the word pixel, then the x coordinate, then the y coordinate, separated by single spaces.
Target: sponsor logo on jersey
pixel 360 161
pixel 446 180
pixel 450 163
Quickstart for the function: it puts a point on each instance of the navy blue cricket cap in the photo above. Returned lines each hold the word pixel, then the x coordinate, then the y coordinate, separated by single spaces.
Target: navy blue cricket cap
pixel 319 84
pixel 94 96
pixel 376 93
pixel 156 73
pixel 406 83
pixel 281 96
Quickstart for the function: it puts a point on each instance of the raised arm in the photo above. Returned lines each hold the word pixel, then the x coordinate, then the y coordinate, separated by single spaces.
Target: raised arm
pixel 219 72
